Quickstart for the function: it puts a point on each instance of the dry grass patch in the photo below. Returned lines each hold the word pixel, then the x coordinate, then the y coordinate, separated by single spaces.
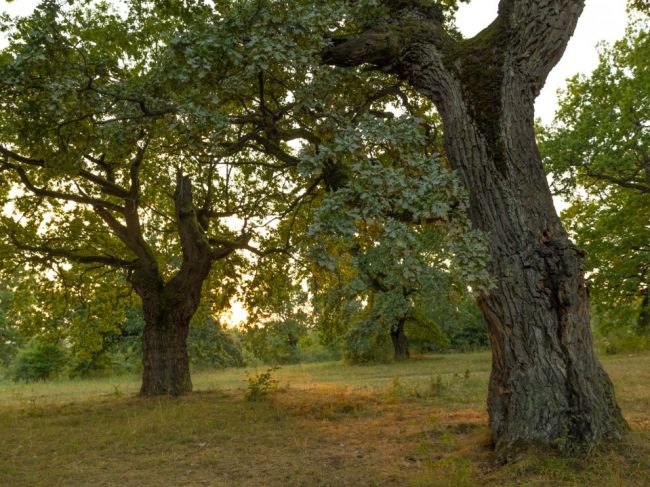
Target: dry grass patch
pixel 421 423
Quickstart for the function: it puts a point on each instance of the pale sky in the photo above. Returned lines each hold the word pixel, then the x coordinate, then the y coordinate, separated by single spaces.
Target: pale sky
pixel 602 20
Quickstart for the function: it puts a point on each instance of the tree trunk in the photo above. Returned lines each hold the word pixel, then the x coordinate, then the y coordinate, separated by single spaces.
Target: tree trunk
pixel 400 342
pixel 546 386
pixel 169 307
pixel 168 310
pixel 643 325
pixel 166 368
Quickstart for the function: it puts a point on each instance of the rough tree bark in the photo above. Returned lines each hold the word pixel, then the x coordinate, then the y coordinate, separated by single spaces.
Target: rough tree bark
pixel 168 307
pixel 400 341
pixel 546 387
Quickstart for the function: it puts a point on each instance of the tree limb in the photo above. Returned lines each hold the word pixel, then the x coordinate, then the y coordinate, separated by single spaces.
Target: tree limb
pixel 71 255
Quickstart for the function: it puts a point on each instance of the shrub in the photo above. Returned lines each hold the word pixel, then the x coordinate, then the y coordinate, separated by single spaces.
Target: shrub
pixel 40 360
pixel 311 349
pixel 10 342
pixel 364 344
pixel 260 385
pixel 275 342
pixel 621 341
pixel 209 345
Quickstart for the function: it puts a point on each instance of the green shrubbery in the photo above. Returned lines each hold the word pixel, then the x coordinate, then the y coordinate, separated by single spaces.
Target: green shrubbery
pixel 363 344
pixel 39 360
pixel 621 341
pixel 275 342
pixel 618 332
pixel 211 346
pixel 260 385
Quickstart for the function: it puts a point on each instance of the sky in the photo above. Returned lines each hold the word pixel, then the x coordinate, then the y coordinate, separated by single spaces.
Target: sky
pixel 602 20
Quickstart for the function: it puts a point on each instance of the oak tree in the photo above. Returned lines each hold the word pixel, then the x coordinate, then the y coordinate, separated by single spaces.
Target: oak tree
pixel 155 145
pixel 546 385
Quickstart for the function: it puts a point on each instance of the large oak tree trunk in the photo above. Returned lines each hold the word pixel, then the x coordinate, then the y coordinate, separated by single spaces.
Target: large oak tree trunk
pixel 168 310
pixel 166 369
pixel 546 387
pixel 168 307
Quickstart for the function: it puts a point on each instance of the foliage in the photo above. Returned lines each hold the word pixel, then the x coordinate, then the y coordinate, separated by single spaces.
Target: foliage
pixel 456 315
pixel 10 337
pixel 10 342
pixel 211 346
pixel 275 341
pixel 365 343
pixel 621 340
pixel 384 236
pixel 598 150
pixel 108 112
pixel 312 349
pixel 39 360
pixel 260 385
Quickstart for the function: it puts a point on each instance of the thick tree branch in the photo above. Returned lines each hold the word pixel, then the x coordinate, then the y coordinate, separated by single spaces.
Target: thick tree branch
pixel 71 255
pixel 130 237
pixel 134 171
pixel 381 48
pixel 222 248
pixel 622 182
pixel 196 248
pixel 22 159
pixel 538 32
pixel 60 195
pixel 106 186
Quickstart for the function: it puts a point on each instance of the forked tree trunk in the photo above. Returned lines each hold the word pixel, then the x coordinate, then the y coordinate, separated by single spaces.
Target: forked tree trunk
pixel 400 342
pixel 168 307
pixel 546 386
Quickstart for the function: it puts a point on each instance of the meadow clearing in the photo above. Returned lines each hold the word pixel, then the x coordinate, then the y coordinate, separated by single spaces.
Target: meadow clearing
pixel 416 423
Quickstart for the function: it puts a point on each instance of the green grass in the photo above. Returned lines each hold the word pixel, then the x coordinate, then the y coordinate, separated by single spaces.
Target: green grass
pixel 420 423
pixel 416 371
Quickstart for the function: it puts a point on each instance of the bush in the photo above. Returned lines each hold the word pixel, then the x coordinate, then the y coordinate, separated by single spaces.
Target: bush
pixel 621 341
pixel 40 360
pixel 260 385
pixel 210 345
pixel 311 349
pixel 10 342
pixel 275 342
pixel 364 344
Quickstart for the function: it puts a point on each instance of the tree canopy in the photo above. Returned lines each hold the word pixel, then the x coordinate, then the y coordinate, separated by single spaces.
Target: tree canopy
pixel 598 150
pixel 176 147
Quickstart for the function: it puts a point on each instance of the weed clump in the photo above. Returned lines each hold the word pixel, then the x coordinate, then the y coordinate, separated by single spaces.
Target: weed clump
pixel 259 385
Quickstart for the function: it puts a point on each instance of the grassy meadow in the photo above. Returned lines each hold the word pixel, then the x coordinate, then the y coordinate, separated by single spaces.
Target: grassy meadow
pixel 417 423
